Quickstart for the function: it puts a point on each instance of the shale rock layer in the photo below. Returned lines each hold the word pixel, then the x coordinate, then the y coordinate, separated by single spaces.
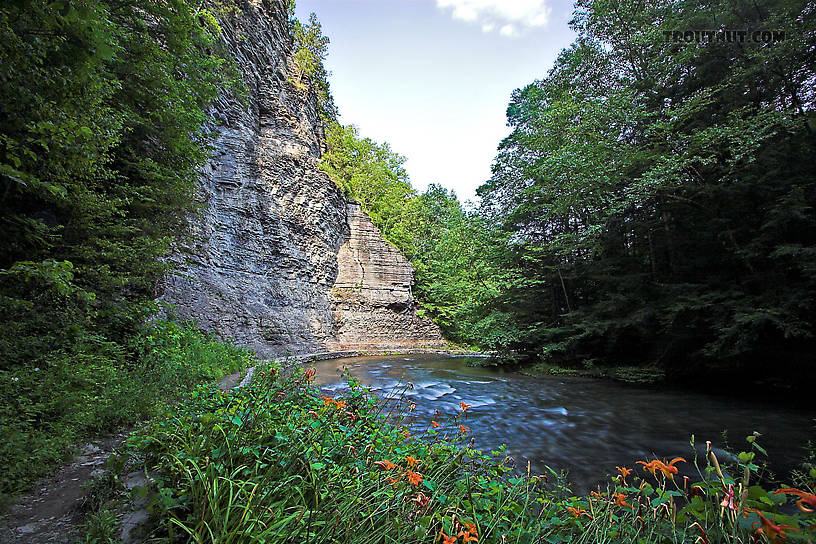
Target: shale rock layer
pixel 278 259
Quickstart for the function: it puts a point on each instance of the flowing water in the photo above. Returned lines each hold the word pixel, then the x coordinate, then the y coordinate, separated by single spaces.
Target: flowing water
pixel 584 426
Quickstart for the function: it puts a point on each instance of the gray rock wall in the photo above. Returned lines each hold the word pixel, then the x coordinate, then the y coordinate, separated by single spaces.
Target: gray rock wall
pixel 262 261
pixel 372 299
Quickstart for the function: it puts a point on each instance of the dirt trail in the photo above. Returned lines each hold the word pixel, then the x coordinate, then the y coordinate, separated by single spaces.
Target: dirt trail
pixel 52 512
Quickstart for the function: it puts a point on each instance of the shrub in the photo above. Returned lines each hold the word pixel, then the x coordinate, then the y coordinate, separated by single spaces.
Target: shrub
pixel 96 387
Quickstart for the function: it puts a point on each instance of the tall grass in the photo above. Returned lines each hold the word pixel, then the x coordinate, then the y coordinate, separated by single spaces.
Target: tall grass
pixel 276 462
pixel 97 388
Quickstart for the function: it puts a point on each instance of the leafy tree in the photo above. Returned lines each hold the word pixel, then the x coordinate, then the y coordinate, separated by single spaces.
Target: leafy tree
pixel 370 173
pixel 658 196
pixel 103 106
pixel 310 50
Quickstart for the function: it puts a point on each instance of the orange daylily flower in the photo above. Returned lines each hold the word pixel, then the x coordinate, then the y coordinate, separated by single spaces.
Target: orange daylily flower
pixel 406 434
pixel 447 539
pixel 463 429
pixel 774 533
pixel 469 534
pixel 650 466
pixel 435 424
pixel 414 478
pixel 578 512
pixel 804 498
pixel 596 495
pixel 328 401
pixel 464 406
pixel 411 461
pixel 624 472
pixel 309 374
pixel 385 464
pixel 667 468
pixel 620 500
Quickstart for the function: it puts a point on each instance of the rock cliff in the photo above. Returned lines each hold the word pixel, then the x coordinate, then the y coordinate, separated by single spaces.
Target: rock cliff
pixel 278 259
pixel 372 300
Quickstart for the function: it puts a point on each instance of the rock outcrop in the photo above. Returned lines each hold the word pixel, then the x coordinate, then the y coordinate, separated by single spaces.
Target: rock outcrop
pixel 373 303
pixel 261 266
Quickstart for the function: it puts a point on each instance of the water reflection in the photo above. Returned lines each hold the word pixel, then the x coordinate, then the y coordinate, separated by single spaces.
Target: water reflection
pixel 585 426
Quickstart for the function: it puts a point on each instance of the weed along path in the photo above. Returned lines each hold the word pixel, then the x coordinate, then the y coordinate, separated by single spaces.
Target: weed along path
pixel 583 425
pixel 53 513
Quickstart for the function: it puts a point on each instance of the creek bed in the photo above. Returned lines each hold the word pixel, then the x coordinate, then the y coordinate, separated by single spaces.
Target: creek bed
pixel 582 425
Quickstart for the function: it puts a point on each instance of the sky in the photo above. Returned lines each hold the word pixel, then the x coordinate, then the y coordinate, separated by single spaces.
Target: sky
pixel 433 77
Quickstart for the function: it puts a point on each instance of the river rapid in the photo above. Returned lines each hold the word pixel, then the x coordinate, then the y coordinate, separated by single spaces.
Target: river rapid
pixel 581 425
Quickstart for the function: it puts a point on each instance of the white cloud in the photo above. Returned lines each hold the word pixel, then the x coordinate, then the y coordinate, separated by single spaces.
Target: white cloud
pixel 511 17
pixel 508 30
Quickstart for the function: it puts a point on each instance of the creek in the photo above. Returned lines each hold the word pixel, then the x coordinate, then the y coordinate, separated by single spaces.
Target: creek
pixel 582 425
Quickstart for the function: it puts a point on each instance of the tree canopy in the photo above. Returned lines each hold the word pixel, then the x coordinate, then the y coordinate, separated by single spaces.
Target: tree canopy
pixel 658 196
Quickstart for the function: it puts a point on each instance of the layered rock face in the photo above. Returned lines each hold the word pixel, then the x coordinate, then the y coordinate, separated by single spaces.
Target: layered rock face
pixel 373 304
pixel 262 260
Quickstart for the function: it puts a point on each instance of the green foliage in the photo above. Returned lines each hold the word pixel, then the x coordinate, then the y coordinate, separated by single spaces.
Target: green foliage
pixel 310 50
pixel 103 105
pixel 369 173
pixel 275 462
pixel 457 271
pixel 449 248
pixel 93 386
pixel 659 199
pixel 102 528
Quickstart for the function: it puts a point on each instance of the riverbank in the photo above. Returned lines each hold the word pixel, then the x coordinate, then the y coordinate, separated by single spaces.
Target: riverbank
pixel 276 399
pixel 326 355
pixel 53 509
pixel 625 374
pixel 275 461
